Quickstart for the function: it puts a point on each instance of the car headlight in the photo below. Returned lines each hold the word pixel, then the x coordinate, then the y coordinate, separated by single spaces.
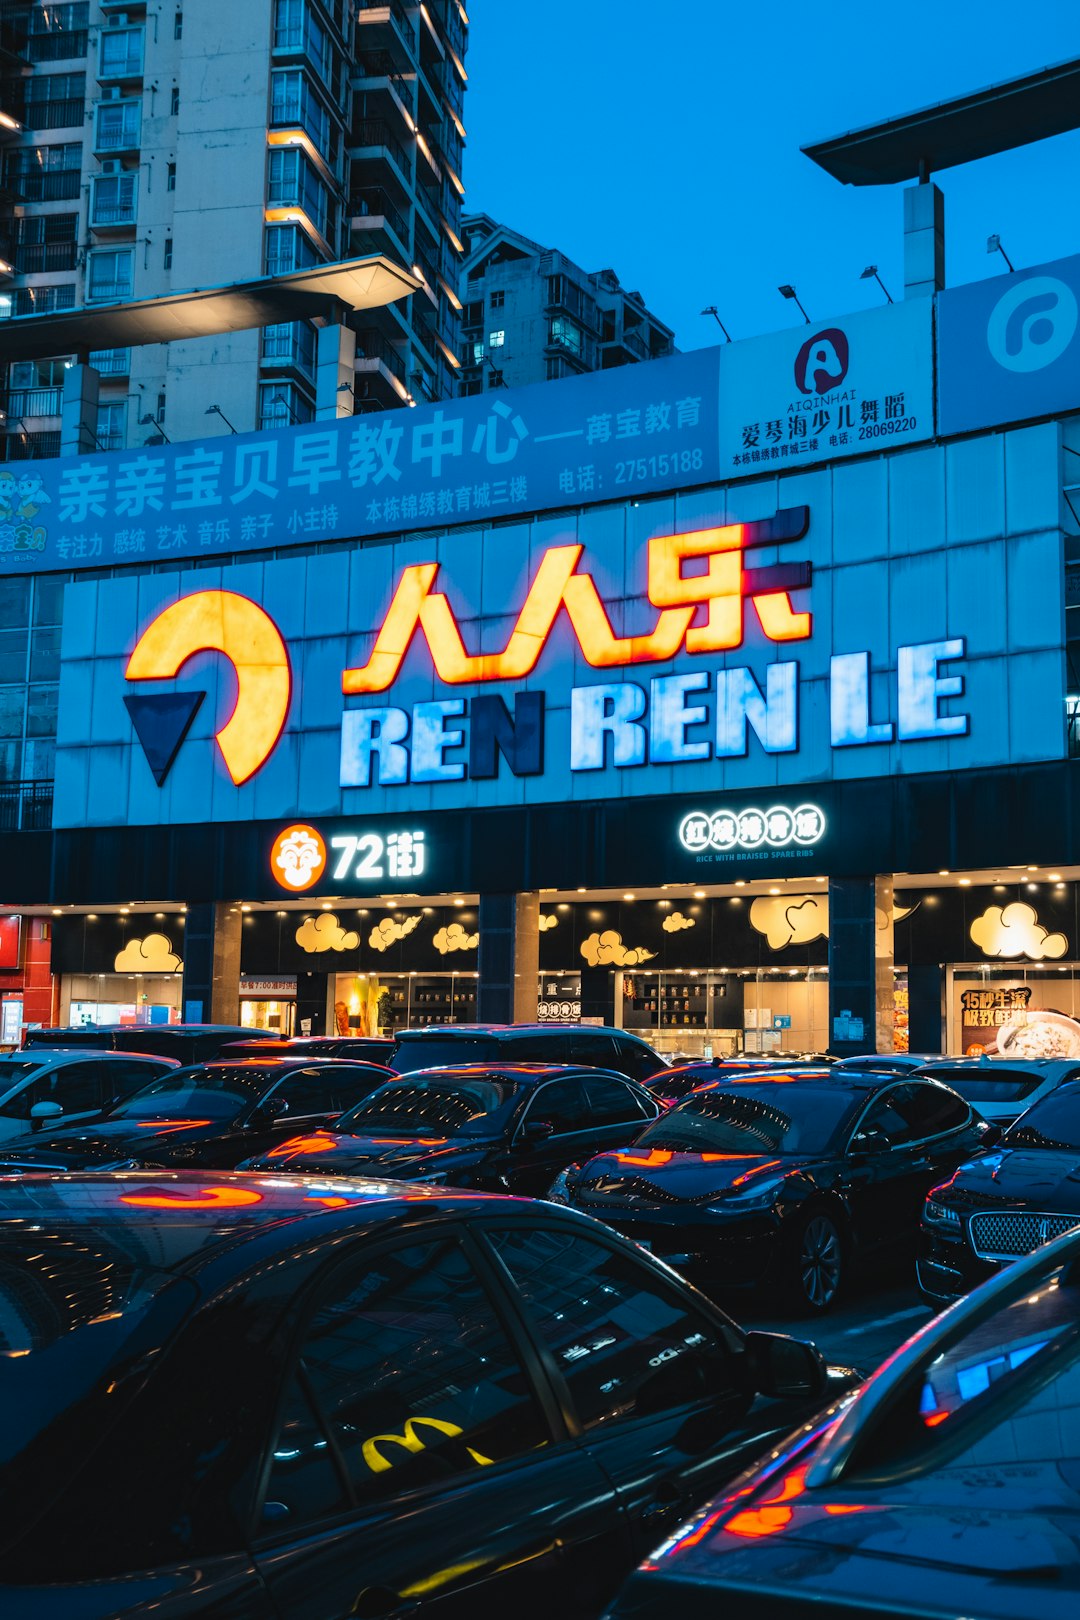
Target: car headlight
pixel 936 1214
pixel 741 1199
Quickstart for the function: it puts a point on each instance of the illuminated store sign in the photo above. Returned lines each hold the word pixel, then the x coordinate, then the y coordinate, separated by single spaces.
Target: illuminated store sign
pixel 776 828
pixel 560 583
pixel 300 855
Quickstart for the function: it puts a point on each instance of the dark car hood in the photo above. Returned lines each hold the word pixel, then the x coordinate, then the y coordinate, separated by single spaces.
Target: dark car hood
pixel 324 1152
pixel 632 1172
pixel 1039 1176
pixel 89 1147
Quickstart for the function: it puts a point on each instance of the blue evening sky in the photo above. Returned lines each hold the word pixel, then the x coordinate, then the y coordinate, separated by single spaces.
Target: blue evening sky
pixel 662 138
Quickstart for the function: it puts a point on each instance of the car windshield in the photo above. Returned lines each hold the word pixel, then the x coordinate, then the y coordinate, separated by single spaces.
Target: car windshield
pixel 424 1053
pixel 219 1091
pixel 1052 1123
pixel 763 1117
pixel 12 1070
pixel 433 1106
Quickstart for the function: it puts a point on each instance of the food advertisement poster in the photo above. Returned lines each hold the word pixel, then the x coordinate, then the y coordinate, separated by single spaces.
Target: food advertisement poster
pixel 1013 1021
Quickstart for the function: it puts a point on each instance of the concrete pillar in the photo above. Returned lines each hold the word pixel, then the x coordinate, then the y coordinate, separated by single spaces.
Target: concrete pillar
pixel 335 371
pixel 79 411
pixel 509 958
pixel 860 968
pixel 212 963
pixel 924 240
pixel 926 1017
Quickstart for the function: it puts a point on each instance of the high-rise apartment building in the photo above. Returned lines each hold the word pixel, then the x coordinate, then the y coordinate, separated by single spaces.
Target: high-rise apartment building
pixel 150 149
pixel 532 315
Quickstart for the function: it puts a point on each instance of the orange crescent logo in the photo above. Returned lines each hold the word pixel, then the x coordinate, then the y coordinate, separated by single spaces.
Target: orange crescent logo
pixel 221 621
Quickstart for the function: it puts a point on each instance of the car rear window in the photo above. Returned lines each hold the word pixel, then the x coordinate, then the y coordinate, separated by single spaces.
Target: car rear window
pixel 980 1085
pixel 438 1051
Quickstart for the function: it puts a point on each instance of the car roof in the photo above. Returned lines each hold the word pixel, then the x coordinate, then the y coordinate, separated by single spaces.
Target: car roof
pixel 831 1079
pixel 42 1055
pixel 511 1031
pixel 985 1061
pixel 184 1218
pixel 494 1070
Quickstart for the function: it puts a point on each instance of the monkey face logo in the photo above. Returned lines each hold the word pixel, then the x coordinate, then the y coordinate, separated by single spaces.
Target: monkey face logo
pixel 298 859
pixel 822 362
pixel 212 621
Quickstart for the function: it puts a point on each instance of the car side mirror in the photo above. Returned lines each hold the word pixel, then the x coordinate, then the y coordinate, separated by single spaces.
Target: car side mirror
pixel 786 1368
pixel 42 1112
pixel 269 1110
pixel 535 1131
pixel 872 1139
pixel 990 1135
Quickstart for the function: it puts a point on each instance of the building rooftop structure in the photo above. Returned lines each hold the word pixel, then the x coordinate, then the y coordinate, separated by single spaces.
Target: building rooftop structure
pixel 918 144
pixel 531 314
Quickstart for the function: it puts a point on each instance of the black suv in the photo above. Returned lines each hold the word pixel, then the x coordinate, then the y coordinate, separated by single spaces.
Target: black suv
pixel 583 1045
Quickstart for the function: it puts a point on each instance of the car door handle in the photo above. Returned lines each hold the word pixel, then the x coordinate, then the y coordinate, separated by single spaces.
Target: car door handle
pixel 669 1499
pixel 381 1603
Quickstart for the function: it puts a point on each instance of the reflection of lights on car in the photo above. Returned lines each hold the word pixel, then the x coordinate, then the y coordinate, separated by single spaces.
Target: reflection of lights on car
pixel 205 1198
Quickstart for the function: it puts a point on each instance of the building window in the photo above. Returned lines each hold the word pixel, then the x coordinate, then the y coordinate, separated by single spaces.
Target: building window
pixel 478 353
pixel 109 275
pixel 290 343
pixel 174 102
pixel 167 256
pixel 170 177
pixel 178 26
pixel 112 424
pixel 293 102
pixel 121 53
pixel 288 248
pixel 497 300
pixel 473 314
pixel 283 405
pixel 111 362
pixel 118 126
pixel 567 334
pixel 112 199
pixel 496 340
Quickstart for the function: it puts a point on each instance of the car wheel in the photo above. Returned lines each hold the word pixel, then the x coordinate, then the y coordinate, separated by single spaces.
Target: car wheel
pixel 818 1264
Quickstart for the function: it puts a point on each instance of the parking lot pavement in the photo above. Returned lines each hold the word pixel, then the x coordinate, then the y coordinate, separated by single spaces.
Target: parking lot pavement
pixel 868 1325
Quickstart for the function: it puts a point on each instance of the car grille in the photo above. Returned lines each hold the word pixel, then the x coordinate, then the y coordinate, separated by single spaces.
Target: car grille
pixel 1000 1237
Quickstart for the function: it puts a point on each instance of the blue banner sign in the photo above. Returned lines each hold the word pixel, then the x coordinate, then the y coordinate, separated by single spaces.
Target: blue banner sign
pixel 1009 348
pixel 598 437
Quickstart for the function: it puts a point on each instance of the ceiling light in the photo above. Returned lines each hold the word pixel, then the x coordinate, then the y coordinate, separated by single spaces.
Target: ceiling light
pixel 774 891
pixel 629 896
pixel 458 901
pixel 57 911
pixel 1055 877
pixel 965 883
pixel 699 894
pixel 943 871
pixel 740 883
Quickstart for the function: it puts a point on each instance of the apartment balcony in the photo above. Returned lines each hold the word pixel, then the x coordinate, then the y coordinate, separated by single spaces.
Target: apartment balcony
pixel 58 45
pixel 50 185
pixel 19 445
pixel 53 114
pixel 385 25
pixel 122 68
pixel 112 215
pixel 373 138
pixel 111 363
pixel 42 258
pixel 28 404
pixel 372 345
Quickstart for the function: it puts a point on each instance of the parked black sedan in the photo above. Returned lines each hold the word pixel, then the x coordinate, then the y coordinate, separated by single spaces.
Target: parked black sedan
pixel 254 1397
pixel 210 1115
pixel 672 1085
pixel 499 1127
pixel 786 1179
pixel 1006 1203
pixel 950 1486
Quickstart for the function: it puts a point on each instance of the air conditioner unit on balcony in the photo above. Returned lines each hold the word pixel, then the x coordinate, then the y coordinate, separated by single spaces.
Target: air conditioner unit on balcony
pixel 112 93
pixel 117 21
pixel 112 166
